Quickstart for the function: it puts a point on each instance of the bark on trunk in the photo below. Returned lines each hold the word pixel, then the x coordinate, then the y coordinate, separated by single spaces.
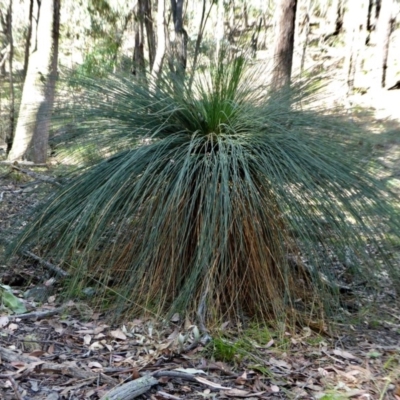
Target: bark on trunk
pixel 220 27
pixel 284 43
pixel 146 16
pixel 32 131
pixel 139 66
pixel 158 60
pixel 383 32
pixel 181 39
pixel 10 133
pixel 356 35
pixel 28 38
pixel 304 28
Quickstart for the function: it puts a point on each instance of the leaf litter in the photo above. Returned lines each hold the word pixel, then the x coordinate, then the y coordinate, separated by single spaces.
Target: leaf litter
pixel 54 350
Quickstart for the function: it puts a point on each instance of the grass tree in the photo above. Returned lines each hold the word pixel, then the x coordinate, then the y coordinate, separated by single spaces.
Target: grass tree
pixel 224 200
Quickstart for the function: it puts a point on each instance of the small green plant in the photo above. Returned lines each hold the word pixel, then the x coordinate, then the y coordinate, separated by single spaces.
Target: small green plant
pixel 223 350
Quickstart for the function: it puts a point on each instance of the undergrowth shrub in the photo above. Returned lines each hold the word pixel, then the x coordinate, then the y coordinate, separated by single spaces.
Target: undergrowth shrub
pixel 218 201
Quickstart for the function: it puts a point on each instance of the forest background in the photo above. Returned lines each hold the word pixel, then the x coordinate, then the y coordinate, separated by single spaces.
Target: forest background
pixel 353 40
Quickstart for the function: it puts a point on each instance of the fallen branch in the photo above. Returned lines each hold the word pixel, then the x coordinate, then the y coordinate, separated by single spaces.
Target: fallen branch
pixel 57 270
pixel 38 314
pixel 35 175
pixel 174 374
pixel 11 356
pixel 131 390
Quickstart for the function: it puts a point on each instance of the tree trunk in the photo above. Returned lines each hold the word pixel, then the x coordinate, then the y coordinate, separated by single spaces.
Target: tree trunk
pixel 303 31
pixel 220 27
pixel 383 32
pixel 146 16
pixel 28 38
pixel 245 15
pixel 32 131
pixel 356 35
pixel 139 67
pixel 161 42
pixel 4 33
pixel 10 134
pixel 181 39
pixel 284 43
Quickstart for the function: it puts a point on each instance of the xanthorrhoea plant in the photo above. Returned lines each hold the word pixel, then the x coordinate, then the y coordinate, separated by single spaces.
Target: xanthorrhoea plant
pixel 212 199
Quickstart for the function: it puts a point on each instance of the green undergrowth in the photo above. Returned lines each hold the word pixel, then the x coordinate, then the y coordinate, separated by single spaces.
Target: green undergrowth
pixel 228 200
pixel 257 344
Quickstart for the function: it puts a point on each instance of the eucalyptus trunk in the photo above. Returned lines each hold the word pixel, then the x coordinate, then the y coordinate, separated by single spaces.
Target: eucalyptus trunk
pixel 28 37
pixel 356 35
pixel 181 39
pixel 383 32
pixel 32 131
pixel 161 42
pixel 284 43
pixel 146 16
pixel 10 133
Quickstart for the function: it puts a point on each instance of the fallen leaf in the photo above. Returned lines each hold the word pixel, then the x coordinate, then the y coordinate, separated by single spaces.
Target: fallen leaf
pixel 241 380
pixel 36 353
pixel 344 354
pixel 118 334
pixel 95 364
pixel 236 393
pixel 275 388
pixel 96 346
pixel 87 339
pixel 209 383
pixel 270 343
pixel 175 318
pixel 4 321
pixel 279 363
pixel 190 371
pixel 12 327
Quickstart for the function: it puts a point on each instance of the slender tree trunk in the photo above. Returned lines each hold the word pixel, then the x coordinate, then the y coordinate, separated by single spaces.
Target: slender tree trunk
pixel 304 33
pixel 161 42
pixel 356 35
pixel 220 28
pixel 5 33
pixel 139 67
pixel 10 134
pixel 284 43
pixel 383 32
pixel 254 38
pixel 32 131
pixel 181 39
pixel 245 15
pixel 146 15
pixel 28 37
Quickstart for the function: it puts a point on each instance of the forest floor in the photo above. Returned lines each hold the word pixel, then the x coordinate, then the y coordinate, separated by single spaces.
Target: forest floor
pixel 67 350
